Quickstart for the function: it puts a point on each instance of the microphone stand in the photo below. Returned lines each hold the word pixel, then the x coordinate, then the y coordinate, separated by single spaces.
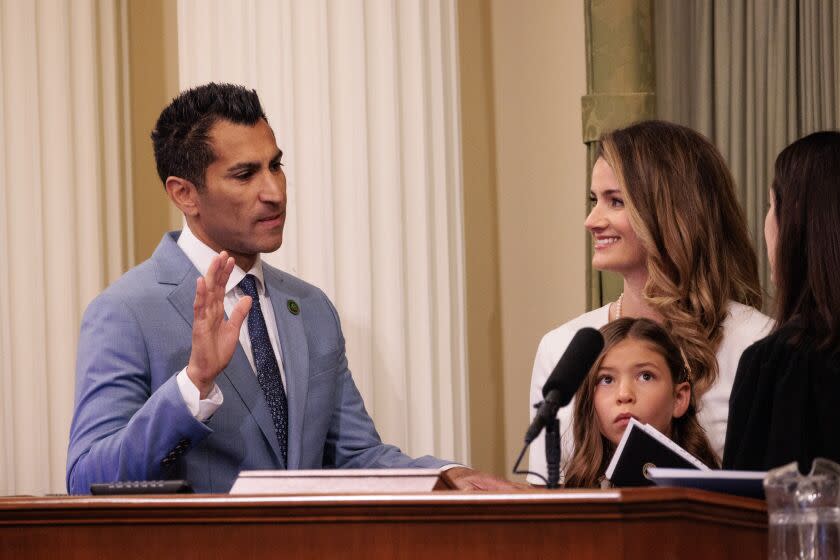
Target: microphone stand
pixel 552 453
pixel 546 417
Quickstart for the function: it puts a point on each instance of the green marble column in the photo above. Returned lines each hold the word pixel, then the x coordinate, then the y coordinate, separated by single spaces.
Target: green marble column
pixel 620 82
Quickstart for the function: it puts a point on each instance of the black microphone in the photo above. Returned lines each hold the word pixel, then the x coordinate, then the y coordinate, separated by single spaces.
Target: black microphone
pixel 567 376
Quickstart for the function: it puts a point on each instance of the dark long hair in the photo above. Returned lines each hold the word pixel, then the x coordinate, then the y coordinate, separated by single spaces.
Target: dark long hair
pixel 806 196
pixel 592 450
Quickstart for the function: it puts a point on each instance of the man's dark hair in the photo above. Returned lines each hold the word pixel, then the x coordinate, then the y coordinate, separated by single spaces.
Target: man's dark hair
pixel 181 135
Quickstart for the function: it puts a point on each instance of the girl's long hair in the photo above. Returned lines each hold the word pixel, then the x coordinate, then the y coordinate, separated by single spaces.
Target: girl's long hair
pixel 680 198
pixel 592 450
pixel 806 196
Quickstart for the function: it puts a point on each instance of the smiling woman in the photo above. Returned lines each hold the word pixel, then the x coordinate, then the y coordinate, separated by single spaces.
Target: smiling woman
pixel 665 217
pixel 617 247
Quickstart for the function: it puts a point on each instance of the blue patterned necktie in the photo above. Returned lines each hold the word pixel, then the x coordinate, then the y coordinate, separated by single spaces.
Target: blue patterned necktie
pixel 268 372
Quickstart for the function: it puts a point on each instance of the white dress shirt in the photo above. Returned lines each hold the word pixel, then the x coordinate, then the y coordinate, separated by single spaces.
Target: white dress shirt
pixel 201 256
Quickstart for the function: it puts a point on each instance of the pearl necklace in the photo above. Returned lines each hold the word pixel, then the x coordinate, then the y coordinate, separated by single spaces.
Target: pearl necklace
pixel 618 306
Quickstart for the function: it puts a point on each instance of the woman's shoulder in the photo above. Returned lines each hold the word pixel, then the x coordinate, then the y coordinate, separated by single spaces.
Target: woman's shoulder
pixel 560 337
pixel 743 326
pixel 773 358
pixel 555 341
pixel 789 340
pixel 743 316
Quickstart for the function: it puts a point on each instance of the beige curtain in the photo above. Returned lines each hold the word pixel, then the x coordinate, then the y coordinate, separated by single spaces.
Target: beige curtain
pixel 753 76
pixel 363 97
pixel 620 91
pixel 62 209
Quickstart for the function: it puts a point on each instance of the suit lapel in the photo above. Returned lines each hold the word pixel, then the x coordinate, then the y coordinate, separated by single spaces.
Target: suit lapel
pixel 173 267
pixel 242 378
pixel 295 354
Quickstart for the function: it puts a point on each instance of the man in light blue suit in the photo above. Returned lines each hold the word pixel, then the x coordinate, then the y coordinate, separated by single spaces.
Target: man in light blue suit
pixel 204 361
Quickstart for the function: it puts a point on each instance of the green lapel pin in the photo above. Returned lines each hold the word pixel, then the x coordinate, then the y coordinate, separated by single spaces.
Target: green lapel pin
pixel 294 308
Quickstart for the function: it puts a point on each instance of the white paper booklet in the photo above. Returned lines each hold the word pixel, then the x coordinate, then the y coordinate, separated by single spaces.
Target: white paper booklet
pixel 340 481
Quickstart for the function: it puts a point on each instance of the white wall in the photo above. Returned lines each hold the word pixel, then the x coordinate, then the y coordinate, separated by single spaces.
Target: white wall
pixel 540 75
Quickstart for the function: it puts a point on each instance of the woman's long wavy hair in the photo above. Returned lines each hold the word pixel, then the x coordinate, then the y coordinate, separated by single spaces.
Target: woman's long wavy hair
pixel 592 450
pixel 680 199
pixel 806 196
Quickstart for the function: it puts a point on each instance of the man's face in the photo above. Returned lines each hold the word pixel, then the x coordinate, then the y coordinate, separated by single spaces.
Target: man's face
pixel 242 208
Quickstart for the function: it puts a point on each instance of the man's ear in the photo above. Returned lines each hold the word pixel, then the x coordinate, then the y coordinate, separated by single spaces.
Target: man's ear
pixel 682 398
pixel 183 194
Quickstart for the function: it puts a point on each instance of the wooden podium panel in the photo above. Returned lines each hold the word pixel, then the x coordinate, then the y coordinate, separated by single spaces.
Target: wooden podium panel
pixel 644 523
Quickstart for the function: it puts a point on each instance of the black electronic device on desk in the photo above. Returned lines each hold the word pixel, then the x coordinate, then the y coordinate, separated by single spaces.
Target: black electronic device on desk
pixel 142 487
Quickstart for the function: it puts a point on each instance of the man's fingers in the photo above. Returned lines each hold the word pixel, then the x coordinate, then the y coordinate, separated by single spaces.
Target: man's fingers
pixel 200 298
pixel 217 276
pixel 239 312
pixel 224 272
pixel 213 270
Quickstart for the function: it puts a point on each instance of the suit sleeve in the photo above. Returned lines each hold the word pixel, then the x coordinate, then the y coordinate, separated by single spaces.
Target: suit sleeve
pixel 352 440
pixel 122 428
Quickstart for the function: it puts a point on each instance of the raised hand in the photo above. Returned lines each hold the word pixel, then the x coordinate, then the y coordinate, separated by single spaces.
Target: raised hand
pixel 214 338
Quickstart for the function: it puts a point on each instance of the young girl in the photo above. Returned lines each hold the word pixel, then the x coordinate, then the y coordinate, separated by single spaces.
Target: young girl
pixel 641 373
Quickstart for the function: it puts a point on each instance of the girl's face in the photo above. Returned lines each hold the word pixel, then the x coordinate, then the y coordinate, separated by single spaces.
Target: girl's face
pixel 617 248
pixel 771 234
pixel 634 381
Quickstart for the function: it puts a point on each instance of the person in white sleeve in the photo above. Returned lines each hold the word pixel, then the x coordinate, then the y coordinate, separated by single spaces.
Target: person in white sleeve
pixel 664 216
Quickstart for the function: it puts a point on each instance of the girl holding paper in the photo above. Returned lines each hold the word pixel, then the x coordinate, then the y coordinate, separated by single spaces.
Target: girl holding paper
pixel 641 374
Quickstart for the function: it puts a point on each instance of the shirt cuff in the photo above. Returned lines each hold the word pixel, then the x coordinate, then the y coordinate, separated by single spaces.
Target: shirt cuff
pixel 201 409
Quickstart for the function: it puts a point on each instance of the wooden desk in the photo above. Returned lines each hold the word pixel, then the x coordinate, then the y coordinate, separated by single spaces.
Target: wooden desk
pixel 633 523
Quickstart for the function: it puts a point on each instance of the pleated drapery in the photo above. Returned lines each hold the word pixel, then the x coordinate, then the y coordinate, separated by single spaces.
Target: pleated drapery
pixel 363 99
pixel 620 91
pixel 63 209
pixel 752 76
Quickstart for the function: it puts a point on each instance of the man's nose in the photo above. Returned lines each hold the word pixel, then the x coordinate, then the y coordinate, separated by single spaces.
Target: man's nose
pixel 274 188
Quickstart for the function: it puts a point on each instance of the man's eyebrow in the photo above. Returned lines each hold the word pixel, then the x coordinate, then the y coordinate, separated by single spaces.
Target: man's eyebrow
pixel 243 166
pixel 251 165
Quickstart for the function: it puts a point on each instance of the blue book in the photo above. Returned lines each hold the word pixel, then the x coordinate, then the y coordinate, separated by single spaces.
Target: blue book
pixel 739 483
